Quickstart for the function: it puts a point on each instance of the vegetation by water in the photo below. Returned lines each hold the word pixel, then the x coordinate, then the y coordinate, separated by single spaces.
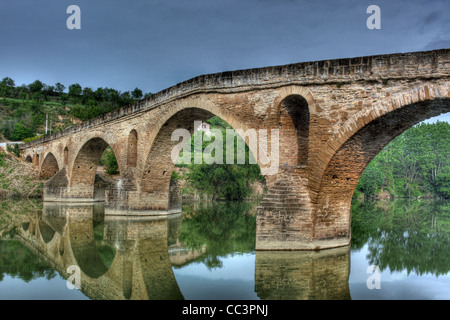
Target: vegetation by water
pixel 222 227
pixel 404 234
pixel 415 164
pixel 219 180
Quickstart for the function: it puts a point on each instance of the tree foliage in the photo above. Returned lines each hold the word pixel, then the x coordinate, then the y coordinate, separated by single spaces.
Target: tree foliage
pixel 414 164
pixel 221 180
pixel 404 234
pixel 28 105
pixel 109 161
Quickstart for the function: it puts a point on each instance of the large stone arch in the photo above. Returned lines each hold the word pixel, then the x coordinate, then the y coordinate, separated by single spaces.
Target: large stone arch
pixel 372 131
pixel 154 182
pixel 49 166
pixel 424 92
pixel 83 169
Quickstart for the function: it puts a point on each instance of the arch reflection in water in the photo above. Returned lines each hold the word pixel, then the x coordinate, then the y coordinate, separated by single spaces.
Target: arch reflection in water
pixel 119 257
pixel 303 275
pixel 123 257
pixel 221 239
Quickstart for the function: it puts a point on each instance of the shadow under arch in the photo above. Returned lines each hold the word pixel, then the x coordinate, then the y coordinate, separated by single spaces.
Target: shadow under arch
pixel 83 174
pixel 49 166
pixel 346 166
pixel 294 121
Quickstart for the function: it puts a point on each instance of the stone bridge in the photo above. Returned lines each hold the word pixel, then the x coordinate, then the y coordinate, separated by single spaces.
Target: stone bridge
pixel 332 118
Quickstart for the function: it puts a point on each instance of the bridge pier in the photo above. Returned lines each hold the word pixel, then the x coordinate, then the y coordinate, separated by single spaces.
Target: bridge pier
pixel 125 199
pixel 120 196
pixel 288 219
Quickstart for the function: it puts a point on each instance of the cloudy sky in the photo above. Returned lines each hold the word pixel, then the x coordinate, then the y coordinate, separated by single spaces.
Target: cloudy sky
pixel 154 44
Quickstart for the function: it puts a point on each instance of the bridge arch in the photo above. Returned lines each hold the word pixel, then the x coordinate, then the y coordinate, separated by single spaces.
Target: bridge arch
pixel 433 96
pixel 371 132
pixel 84 167
pixel 158 166
pixel 49 166
pixel 296 111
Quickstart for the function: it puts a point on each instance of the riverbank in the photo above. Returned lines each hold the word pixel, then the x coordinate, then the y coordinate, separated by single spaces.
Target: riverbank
pixel 18 179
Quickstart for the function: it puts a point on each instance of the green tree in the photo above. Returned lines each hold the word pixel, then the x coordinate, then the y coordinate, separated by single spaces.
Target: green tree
pixel 36 86
pixel 443 182
pixel 109 160
pixel 412 163
pixel 221 180
pixel 6 87
pixel 137 94
pixel 22 131
pixel 75 91
pixel 59 88
pixel 372 180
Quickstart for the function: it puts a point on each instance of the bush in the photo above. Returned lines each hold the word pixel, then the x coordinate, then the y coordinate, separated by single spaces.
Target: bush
pixel 109 161
pixel 371 181
pixel 13 149
pixel 31 139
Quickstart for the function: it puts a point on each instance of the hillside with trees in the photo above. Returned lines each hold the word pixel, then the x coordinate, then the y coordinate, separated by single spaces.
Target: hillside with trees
pixel 26 110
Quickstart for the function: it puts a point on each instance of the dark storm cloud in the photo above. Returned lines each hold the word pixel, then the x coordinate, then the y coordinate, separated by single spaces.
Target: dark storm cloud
pixel 153 44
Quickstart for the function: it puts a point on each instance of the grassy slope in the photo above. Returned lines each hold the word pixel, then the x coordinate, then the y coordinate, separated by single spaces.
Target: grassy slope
pixel 58 113
pixel 17 178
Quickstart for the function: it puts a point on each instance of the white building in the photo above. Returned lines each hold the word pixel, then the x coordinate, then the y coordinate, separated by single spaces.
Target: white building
pixel 204 127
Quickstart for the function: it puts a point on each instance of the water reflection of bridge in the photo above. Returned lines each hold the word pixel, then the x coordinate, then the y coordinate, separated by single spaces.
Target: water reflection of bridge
pixel 123 258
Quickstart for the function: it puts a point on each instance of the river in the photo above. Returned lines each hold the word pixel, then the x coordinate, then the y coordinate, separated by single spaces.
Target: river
pixel 399 250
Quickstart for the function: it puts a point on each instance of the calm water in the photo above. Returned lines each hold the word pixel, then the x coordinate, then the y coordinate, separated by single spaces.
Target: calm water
pixel 207 252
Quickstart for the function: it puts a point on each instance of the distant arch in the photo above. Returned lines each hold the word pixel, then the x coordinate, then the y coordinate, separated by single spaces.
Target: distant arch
pixel 29 159
pixel 49 166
